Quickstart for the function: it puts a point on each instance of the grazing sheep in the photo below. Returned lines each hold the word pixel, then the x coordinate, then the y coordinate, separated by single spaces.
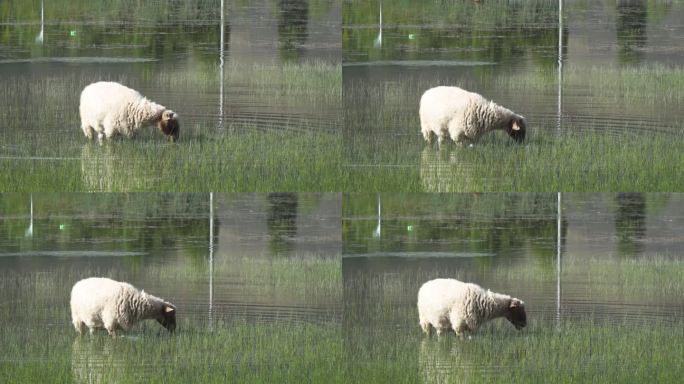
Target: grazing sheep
pixel 445 304
pixel 110 108
pixel 99 303
pixel 465 116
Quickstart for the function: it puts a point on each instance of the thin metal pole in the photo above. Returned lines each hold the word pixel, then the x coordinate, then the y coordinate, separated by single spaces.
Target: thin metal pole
pixel 558 262
pixel 211 258
pixel 378 230
pixel 221 63
pixel 560 66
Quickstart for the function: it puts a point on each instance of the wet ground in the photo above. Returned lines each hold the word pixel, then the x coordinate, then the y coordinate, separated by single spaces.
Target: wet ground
pixel 602 69
pixel 261 262
pixel 225 77
pixel 615 263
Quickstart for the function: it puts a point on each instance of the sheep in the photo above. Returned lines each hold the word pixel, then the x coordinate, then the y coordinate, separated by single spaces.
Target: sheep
pixel 110 108
pixel 99 303
pixel 465 116
pixel 445 304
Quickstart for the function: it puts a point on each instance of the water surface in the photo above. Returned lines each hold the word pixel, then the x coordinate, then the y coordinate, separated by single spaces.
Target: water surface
pixel 604 71
pixel 231 79
pixel 603 261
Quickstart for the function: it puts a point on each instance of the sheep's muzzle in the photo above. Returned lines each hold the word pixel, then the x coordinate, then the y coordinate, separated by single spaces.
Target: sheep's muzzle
pixel 169 125
pixel 168 318
pixel 516 314
pixel 516 130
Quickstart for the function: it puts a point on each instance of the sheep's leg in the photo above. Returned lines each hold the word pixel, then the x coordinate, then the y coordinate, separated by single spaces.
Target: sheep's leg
pixel 111 329
pixel 458 324
pixel 428 135
pixel 461 139
pixel 425 326
pixel 109 128
pixel 80 326
pixel 440 140
pixel 88 131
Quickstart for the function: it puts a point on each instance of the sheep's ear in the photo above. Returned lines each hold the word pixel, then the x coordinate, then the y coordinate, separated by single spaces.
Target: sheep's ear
pixel 515 126
pixel 515 303
pixel 169 309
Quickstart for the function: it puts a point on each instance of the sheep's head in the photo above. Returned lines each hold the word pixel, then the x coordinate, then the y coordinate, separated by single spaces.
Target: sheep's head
pixel 167 317
pixel 516 129
pixel 169 124
pixel 516 314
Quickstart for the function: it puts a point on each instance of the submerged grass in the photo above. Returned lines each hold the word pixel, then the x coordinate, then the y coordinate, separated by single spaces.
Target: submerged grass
pixel 572 162
pixel 238 351
pixel 619 132
pixel 585 343
pixel 250 160
pixel 278 132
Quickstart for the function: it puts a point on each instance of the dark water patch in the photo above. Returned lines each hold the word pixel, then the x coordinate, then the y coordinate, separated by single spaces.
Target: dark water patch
pixel 278 75
pixel 72 254
pixel 617 262
pixel 78 60
pixel 418 63
pixel 600 74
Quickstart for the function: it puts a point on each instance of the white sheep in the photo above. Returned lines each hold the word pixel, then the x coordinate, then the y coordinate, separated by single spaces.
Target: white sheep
pixel 465 116
pixel 445 304
pixel 110 108
pixel 99 303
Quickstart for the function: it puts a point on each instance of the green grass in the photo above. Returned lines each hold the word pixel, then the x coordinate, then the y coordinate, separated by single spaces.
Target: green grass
pixel 589 343
pixel 226 161
pixel 581 351
pixel 235 351
pixel 619 133
pixel 294 147
pixel 238 351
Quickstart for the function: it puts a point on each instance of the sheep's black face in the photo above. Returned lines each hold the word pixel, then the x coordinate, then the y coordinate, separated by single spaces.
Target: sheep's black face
pixel 167 318
pixel 516 129
pixel 169 125
pixel 516 314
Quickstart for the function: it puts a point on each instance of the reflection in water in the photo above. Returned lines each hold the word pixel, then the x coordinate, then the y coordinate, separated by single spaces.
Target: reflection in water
pixel 631 26
pixel 95 360
pixel 103 169
pixel 293 21
pixel 440 167
pixel 282 221
pixel 377 43
pixel 437 358
pixel 630 223
pixel 109 227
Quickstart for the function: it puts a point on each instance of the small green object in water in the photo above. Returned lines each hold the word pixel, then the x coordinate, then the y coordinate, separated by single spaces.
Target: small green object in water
pixel 409 228
pixel 412 36
pixel 72 33
pixel 61 227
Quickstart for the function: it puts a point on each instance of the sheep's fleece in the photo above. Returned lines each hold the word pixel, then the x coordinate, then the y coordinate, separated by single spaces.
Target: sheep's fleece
pixel 98 303
pixel 109 108
pixel 445 304
pixel 465 116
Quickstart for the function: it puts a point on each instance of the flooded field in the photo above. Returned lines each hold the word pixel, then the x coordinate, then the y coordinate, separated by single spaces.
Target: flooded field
pixel 259 102
pixel 602 299
pixel 255 278
pixel 600 87
pixel 311 287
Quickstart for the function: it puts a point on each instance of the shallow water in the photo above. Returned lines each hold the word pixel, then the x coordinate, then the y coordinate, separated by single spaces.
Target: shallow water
pixel 616 75
pixel 331 282
pixel 261 265
pixel 280 74
pixel 509 243
pixel 618 264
